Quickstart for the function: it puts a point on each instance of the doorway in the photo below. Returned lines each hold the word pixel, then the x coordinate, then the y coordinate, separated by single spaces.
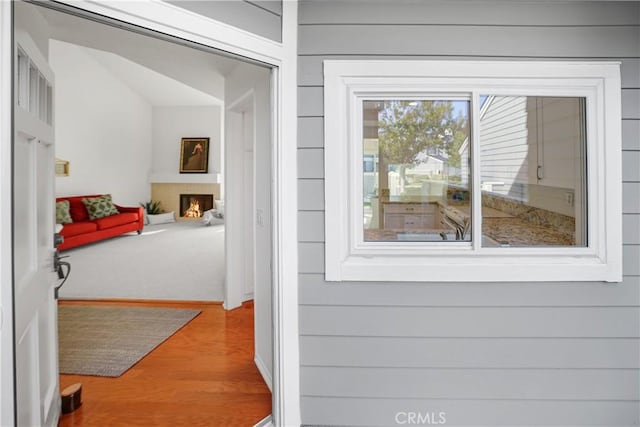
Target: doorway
pixel 263 217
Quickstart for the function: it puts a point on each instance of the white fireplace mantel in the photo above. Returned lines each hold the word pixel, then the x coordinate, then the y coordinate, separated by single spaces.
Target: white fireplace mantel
pixel 184 178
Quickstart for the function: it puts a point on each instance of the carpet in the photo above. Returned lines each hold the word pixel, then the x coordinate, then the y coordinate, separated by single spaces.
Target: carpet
pixel 181 261
pixel 107 341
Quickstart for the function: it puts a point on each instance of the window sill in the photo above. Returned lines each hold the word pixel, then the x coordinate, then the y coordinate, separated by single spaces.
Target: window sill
pixel 488 267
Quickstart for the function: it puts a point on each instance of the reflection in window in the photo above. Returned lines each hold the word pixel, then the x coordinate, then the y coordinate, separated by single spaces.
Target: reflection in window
pixel 532 169
pixel 415 167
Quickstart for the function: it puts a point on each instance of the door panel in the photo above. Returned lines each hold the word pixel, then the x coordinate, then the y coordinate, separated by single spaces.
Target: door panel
pixel 38 400
pixel 27 376
pixel 25 208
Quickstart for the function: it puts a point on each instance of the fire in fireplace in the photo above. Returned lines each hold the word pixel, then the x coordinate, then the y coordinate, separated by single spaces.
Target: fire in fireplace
pixel 195 205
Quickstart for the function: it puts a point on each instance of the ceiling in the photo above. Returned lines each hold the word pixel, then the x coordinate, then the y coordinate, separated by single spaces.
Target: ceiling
pixel 162 72
pixel 157 89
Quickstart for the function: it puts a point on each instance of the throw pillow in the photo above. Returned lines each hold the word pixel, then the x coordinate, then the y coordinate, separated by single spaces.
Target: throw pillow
pixel 212 217
pixel 220 208
pixel 163 218
pixel 63 215
pixel 99 207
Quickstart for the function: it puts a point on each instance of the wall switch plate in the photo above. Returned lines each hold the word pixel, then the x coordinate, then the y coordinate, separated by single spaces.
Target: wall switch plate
pixel 568 197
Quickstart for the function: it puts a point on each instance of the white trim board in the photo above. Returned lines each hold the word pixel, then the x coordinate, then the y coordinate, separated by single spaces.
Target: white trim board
pixel 264 371
pixel 265 422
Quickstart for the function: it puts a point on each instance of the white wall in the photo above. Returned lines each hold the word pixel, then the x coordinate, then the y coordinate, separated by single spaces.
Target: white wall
pixel 29 18
pixel 102 128
pixel 170 124
pixel 239 82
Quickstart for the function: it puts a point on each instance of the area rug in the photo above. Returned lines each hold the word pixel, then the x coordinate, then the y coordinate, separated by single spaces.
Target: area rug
pixel 107 341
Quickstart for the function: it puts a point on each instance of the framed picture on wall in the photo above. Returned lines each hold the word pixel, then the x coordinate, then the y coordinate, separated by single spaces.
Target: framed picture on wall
pixel 194 155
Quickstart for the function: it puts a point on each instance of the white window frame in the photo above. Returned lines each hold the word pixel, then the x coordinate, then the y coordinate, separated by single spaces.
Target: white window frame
pixel 348 257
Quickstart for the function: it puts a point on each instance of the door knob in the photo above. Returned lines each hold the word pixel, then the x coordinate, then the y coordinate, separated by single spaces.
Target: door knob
pixel 60 266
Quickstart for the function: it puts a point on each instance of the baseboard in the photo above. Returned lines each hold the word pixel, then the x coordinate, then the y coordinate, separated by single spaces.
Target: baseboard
pixel 266 376
pixel 266 422
pixel 136 301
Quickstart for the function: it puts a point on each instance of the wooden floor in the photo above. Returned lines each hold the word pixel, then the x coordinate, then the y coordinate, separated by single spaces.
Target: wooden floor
pixel 204 375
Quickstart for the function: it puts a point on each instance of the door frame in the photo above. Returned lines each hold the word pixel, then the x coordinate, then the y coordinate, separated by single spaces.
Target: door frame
pixel 7 336
pixel 282 57
pixel 237 254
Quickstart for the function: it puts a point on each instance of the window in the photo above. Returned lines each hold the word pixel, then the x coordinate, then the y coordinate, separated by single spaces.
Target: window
pixel 472 171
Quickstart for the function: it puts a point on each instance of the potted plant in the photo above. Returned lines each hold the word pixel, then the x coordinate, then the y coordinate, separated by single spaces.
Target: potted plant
pixel 154 214
pixel 152 207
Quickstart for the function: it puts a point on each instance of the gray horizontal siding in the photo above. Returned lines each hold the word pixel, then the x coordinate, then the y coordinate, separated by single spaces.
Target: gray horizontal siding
pixel 461 13
pixel 631 103
pixel 311 194
pixel 631 197
pixel 631 166
pixel 408 383
pixel 311 257
pixel 630 73
pixel 564 42
pixel 315 291
pixel 310 102
pixel 311 226
pixel 472 322
pixel 631 260
pixel 480 353
pixel 311 163
pixel 485 412
pixel 631 134
pixel 485 353
pixel 311 132
pixel 631 229
pixel 263 18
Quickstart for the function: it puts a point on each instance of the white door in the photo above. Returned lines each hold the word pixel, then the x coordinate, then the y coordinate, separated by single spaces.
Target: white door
pixel 37 396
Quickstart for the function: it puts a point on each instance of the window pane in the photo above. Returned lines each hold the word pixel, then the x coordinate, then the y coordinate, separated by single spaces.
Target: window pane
pixel 23 80
pixel 416 170
pixel 532 167
pixel 33 88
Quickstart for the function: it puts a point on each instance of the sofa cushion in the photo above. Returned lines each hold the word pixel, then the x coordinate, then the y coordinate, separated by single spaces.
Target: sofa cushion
pixel 63 215
pixel 115 220
pixel 100 207
pixel 76 228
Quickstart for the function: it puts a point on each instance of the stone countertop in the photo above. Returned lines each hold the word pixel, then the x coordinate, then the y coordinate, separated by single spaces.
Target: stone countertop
pixel 518 232
pixel 511 230
pixel 498 226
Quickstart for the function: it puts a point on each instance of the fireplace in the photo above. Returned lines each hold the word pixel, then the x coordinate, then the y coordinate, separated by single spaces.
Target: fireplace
pixel 194 205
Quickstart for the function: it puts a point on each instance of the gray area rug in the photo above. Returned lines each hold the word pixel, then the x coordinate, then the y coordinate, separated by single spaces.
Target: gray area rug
pixel 107 341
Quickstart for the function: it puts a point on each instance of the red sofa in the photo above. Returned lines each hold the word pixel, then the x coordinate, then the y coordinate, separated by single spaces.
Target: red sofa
pixel 83 230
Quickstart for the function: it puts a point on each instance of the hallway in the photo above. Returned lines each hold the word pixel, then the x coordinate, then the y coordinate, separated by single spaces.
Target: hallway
pixel 204 375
